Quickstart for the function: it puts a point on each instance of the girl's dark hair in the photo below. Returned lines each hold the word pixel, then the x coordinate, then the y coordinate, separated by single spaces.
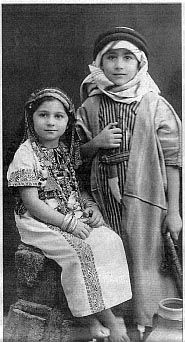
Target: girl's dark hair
pixel 20 133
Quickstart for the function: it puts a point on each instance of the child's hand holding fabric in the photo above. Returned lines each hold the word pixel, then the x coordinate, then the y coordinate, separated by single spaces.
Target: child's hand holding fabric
pixel 109 137
pixel 95 219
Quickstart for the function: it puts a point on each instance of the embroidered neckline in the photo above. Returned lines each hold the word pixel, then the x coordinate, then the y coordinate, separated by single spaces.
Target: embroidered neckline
pixel 60 170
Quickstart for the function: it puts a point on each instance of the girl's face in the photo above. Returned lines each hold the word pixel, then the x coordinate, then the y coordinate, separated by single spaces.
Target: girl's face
pixel 119 66
pixel 50 122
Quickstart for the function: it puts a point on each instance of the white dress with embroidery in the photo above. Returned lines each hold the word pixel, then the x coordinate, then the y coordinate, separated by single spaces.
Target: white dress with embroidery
pixel 94 271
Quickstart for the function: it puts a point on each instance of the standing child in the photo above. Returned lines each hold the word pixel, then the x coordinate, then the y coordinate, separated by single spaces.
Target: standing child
pixel 52 215
pixel 131 135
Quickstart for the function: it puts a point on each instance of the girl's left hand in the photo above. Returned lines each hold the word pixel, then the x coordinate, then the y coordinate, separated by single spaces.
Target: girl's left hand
pixel 96 220
pixel 173 223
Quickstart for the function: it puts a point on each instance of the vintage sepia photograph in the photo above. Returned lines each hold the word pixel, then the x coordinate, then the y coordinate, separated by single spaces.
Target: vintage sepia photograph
pixel 92 171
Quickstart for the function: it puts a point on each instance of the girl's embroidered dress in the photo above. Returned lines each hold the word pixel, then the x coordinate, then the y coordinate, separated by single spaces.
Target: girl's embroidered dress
pixel 93 279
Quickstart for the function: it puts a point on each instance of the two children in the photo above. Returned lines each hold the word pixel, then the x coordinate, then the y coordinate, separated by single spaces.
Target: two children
pixel 53 215
pixel 130 135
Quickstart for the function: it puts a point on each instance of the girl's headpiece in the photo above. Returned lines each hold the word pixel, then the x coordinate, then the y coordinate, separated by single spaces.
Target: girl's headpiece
pixel 120 33
pixel 56 93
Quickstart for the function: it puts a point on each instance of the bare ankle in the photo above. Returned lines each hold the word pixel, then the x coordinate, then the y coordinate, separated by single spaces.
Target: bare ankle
pixel 116 326
pixel 97 330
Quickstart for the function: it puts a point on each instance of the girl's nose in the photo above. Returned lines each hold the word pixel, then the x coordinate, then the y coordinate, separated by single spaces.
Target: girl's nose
pixel 50 121
pixel 119 63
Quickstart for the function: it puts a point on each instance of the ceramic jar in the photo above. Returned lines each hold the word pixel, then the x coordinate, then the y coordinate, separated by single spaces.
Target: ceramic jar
pixel 168 324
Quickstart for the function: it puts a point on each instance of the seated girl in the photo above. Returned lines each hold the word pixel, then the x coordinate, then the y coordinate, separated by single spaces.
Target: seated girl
pixel 54 216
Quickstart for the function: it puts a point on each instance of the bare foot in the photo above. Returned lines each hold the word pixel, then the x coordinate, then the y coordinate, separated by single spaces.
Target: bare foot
pixel 118 331
pixel 97 330
pixel 118 335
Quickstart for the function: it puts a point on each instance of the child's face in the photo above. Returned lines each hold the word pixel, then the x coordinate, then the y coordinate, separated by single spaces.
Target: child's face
pixel 119 65
pixel 50 122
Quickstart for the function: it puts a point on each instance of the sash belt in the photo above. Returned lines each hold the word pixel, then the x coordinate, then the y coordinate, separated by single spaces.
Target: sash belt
pixel 114 158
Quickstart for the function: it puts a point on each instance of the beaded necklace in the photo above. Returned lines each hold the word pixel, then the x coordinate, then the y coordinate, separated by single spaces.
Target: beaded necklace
pixel 57 162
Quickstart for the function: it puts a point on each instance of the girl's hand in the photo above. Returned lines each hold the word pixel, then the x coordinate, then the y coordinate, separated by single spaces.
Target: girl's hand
pixel 173 223
pixel 96 220
pixel 109 137
pixel 82 230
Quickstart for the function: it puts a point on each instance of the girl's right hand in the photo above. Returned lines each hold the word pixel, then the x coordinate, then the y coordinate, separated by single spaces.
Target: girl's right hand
pixel 82 230
pixel 109 137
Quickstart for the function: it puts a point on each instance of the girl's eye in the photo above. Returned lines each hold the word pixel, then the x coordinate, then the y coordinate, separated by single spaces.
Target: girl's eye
pixel 128 57
pixel 111 57
pixel 42 115
pixel 59 116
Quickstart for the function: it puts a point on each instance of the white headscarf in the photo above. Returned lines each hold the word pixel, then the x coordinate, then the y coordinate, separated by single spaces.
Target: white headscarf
pixel 133 90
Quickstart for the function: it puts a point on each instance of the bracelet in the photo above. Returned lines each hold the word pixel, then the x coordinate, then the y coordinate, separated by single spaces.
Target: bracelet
pixel 66 221
pixel 72 225
pixel 69 223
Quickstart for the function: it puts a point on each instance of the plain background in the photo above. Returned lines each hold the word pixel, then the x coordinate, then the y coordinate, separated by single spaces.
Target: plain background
pixel 51 45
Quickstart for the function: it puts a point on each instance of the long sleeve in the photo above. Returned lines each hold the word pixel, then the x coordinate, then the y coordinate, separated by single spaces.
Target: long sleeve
pixel 168 127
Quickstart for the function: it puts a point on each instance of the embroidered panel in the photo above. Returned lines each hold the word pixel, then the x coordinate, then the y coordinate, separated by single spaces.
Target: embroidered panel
pixel 23 177
pixel 90 274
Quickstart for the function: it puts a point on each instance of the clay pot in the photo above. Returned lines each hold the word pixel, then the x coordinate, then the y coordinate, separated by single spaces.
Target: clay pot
pixel 168 323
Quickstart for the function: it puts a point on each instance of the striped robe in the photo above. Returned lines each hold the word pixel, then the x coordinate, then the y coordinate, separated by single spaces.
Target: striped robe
pixel 151 141
pixel 124 114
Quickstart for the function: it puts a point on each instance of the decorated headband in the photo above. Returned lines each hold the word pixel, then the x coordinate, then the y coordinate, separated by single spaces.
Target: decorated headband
pixel 55 93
